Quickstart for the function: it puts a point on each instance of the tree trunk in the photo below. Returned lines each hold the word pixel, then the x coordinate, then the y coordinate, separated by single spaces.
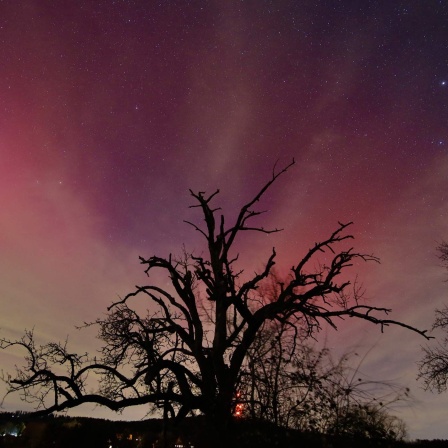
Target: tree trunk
pixel 219 422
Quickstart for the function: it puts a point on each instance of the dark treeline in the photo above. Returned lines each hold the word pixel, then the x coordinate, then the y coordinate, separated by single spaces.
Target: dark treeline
pixel 20 430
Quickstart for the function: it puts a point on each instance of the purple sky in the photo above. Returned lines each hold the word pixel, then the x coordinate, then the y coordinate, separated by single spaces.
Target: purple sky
pixel 111 110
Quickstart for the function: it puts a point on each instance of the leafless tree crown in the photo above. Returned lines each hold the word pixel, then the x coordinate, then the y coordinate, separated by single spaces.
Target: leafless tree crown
pixel 175 354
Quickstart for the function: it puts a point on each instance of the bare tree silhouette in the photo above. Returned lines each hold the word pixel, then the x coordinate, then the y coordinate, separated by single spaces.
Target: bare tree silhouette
pixel 433 368
pixel 175 353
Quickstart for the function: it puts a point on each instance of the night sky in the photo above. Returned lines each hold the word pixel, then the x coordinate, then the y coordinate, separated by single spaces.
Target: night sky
pixel 111 110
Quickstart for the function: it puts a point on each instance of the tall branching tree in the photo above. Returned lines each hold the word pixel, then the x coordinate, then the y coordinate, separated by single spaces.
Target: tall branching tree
pixel 177 355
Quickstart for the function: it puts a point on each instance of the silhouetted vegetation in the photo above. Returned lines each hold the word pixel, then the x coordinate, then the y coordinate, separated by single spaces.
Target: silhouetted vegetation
pixel 189 350
pixel 301 387
pixel 434 365
pixel 59 431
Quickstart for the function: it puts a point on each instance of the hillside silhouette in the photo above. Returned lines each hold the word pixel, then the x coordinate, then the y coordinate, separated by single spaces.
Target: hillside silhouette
pixel 20 430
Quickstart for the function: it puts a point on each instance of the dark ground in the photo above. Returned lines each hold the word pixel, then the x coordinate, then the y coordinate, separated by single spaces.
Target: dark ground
pixel 65 432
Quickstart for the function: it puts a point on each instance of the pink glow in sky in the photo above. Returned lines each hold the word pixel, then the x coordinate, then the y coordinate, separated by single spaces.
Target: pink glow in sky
pixel 111 111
